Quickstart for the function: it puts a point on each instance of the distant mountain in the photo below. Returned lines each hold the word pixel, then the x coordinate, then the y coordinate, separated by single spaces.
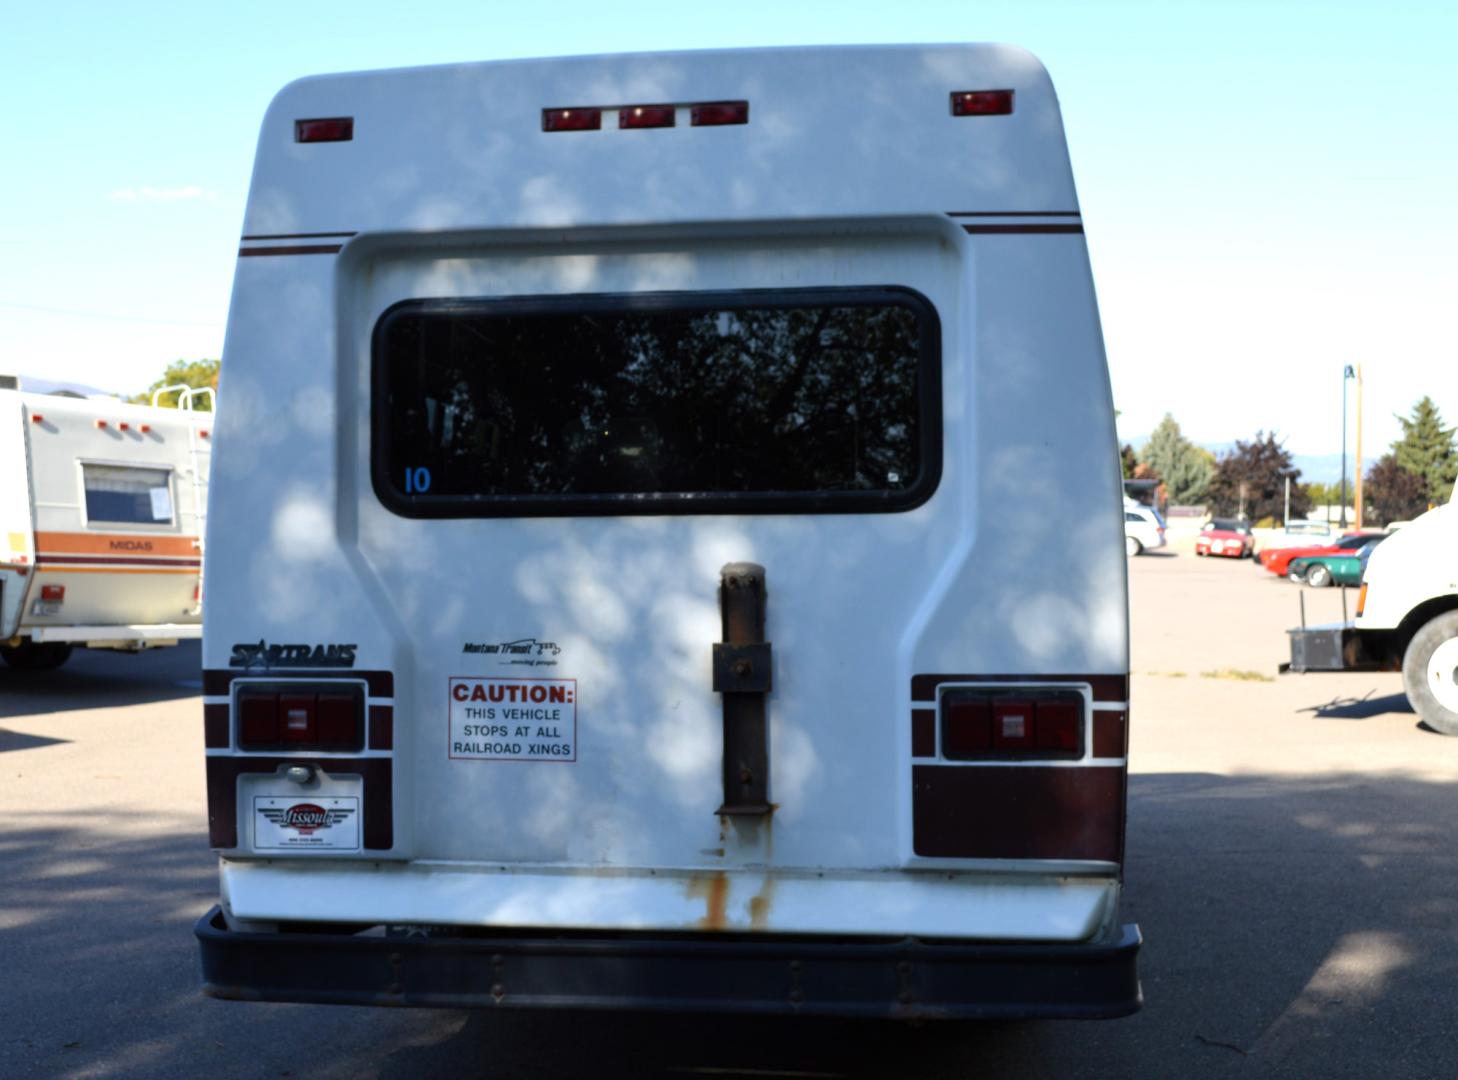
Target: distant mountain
pixel 1326 468
pixel 1322 468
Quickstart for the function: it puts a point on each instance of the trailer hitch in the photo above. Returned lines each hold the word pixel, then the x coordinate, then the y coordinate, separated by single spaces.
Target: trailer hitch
pixel 742 673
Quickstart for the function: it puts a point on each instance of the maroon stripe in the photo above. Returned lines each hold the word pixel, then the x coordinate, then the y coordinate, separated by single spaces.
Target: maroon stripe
pixel 923 733
pixel 1105 687
pixel 216 681
pixel 1110 734
pixel 215 727
pixel 294 249
pixel 1012 812
pixel 1023 228
pixel 1002 213
pixel 223 773
pixel 296 235
pixel 121 560
pixel 382 727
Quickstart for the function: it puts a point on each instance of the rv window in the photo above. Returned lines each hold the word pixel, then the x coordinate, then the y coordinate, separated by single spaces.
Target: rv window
pixel 796 400
pixel 119 494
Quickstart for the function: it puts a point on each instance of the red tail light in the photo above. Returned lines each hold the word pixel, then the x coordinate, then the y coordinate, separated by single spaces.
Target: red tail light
pixel 646 116
pixel 277 716
pixel 328 129
pixel 53 592
pixel 982 102
pixel 966 726
pixel 571 119
pixel 1005 724
pixel 714 113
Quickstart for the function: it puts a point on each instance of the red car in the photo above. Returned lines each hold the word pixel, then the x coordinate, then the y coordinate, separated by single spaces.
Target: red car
pixel 1279 560
pixel 1227 537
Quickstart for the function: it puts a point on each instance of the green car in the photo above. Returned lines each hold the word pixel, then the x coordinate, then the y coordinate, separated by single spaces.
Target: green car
pixel 1324 570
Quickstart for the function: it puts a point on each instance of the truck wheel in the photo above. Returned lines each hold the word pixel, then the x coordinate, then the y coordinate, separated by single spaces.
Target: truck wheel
pixel 1430 673
pixel 33 656
pixel 1318 576
pixel 1132 546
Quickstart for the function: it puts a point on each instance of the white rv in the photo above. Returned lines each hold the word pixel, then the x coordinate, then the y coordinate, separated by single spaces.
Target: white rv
pixel 101 518
pixel 635 579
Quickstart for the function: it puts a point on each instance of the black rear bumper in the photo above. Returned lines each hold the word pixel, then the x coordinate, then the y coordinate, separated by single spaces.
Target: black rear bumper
pixel 906 978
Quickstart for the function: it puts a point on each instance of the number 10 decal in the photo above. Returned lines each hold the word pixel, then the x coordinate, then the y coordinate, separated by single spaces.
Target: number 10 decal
pixel 417 480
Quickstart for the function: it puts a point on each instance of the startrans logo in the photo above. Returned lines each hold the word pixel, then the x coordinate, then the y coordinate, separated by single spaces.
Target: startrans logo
pixel 265 655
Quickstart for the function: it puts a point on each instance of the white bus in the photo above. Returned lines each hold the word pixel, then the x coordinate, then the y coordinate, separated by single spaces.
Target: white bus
pixel 637 576
pixel 101 517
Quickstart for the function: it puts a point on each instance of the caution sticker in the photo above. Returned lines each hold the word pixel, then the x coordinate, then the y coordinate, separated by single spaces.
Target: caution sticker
pixel 513 719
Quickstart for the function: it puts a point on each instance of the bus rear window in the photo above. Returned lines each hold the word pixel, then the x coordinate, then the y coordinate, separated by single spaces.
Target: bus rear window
pixel 820 400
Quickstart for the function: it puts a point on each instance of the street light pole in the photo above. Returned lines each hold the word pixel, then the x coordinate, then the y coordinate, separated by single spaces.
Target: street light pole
pixel 1347 373
pixel 1357 478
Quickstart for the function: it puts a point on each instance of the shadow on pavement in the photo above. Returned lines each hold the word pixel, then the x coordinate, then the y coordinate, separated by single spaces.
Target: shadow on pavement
pixel 1294 926
pixel 1362 708
pixel 19 740
pixel 97 678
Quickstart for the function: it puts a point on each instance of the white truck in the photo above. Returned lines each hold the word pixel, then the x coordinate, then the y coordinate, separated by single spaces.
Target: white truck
pixel 634 573
pixel 102 506
pixel 1406 619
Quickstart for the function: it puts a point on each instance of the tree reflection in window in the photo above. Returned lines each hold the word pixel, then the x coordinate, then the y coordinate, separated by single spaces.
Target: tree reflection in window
pixel 682 397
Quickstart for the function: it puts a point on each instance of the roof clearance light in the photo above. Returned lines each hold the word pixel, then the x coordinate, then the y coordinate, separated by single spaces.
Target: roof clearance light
pixel 571 119
pixel 645 116
pixel 982 102
pixel 329 129
pixel 101 423
pixel 37 418
pixel 713 113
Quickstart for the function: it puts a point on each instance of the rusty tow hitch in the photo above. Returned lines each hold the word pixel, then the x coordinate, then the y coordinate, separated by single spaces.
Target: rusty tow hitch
pixel 742 670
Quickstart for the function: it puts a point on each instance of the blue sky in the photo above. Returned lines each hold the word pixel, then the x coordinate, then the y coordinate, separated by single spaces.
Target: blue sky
pixel 1268 187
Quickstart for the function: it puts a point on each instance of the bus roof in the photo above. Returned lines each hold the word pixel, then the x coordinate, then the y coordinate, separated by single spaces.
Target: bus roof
pixel 843 132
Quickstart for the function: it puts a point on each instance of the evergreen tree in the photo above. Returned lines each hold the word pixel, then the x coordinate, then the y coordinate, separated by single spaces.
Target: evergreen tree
pixel 1427 449
pixel 1185 468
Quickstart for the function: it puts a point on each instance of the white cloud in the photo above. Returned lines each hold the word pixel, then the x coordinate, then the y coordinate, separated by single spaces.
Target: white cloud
pixel 161 194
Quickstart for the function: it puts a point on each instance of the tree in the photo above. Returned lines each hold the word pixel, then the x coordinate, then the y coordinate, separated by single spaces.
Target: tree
pixel 1394 493
pixel 1252 478
pixel 1328 494
pixel 1128 460
pixel 1427 450
pixel 1185 468
pixel 194 373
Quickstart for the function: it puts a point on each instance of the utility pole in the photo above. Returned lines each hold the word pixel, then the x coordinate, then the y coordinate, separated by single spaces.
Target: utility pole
pixel 1357 480
pixel 1347 373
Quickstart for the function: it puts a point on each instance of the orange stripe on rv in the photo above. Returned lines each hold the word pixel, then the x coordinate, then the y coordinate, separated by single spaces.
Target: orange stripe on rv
pixel 67 543
pixel 52 569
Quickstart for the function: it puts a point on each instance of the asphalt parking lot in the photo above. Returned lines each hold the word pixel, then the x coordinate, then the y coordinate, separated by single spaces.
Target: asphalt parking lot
pixel 1291 863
